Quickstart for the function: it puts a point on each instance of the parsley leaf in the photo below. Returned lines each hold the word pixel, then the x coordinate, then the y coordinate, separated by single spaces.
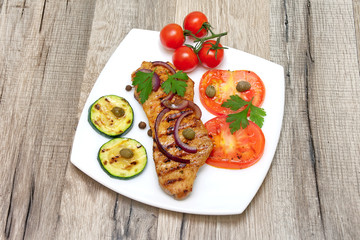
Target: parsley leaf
pixel 174 83
pixel 257 115
pixel 143 81
pixel 240 119
pixel 235 103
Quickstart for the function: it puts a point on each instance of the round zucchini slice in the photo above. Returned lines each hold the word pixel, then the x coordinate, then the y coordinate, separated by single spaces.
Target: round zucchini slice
pixel 111 115
pixel 122 157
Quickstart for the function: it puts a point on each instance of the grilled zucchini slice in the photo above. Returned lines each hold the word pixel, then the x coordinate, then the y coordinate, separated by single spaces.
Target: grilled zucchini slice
pixel 111 115
pixel 122 157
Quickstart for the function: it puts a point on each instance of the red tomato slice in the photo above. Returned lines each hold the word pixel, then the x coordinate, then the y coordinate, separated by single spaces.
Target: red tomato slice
pixel 225 84
pixel 234 151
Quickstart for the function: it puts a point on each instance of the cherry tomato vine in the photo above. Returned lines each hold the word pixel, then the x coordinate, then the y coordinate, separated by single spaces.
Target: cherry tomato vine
pixel 205 49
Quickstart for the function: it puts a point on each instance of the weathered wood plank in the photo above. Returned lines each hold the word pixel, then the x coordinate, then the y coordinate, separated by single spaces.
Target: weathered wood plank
pixel 319 162
pixel 356 13
pixel 296 204
pixel 39 85
pixel 334 55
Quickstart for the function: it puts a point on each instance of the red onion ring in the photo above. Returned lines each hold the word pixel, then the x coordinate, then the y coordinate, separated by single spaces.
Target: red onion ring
pixel 165 65
pixel 173 116
pixel 183 104
pixel 178 141
pixel 160 146
pixel 155 79
pixel 195 108
pixel 167 98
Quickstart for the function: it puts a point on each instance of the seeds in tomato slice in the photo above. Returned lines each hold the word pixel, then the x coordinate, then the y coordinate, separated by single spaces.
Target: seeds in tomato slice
pixel 240 150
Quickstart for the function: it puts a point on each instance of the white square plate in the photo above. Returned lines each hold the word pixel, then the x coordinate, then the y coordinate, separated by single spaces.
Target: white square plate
pixel 216 191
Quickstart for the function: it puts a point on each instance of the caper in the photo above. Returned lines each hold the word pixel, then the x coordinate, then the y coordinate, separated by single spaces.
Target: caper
pixel 118 112
pixel 210 91
pixel 126 153
pixel 128 88
pixel 142 125
pixel 149 133
pixel 243 86
pixel 189 133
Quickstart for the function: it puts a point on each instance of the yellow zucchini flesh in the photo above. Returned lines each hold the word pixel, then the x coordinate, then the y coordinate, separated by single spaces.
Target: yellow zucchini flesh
pixel 120 167
pixel 103 119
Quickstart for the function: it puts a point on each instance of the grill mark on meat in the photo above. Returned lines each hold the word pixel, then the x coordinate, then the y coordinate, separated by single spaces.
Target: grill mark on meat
pixel 169 130
pixel 172 117
pixel 172 181
pixel 174 145
pixel 182 155
pixel 202 135
pixel 170 169
pixel 189 125
pixel 178 147
pixel 171 145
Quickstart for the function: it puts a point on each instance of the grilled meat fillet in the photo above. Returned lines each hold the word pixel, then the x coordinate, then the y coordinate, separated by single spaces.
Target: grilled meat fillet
pixel 175 178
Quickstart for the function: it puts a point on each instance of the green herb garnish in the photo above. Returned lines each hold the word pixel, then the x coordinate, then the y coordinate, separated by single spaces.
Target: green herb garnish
pixel 143 81
pixel 175 84
pixel 240 119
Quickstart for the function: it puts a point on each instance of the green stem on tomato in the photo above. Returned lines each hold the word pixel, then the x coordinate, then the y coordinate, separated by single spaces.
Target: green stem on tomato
pixel 189 33
pixel 210 37
pixel 208 27
pixel 197 39
pixel 200 41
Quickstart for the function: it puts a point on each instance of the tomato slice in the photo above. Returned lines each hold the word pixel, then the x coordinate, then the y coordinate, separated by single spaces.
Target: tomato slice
pixel 225 85
pixel 234 151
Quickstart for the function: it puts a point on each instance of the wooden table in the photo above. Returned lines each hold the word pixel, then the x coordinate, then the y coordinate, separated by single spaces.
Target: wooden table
pixel 52 53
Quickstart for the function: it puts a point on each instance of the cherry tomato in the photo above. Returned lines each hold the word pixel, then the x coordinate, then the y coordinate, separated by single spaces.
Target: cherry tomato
pixel 225 83
pixel 210 58
pixel 172 36
pixel 193 22
pixel 235 151
pixel 184 58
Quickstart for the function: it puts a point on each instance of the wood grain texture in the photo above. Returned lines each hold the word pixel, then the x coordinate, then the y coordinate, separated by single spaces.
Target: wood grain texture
pixel 317 46
pixel 356 14
pixel 333 171
pixel 40 54
pixel 51 53
pixel 297 184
